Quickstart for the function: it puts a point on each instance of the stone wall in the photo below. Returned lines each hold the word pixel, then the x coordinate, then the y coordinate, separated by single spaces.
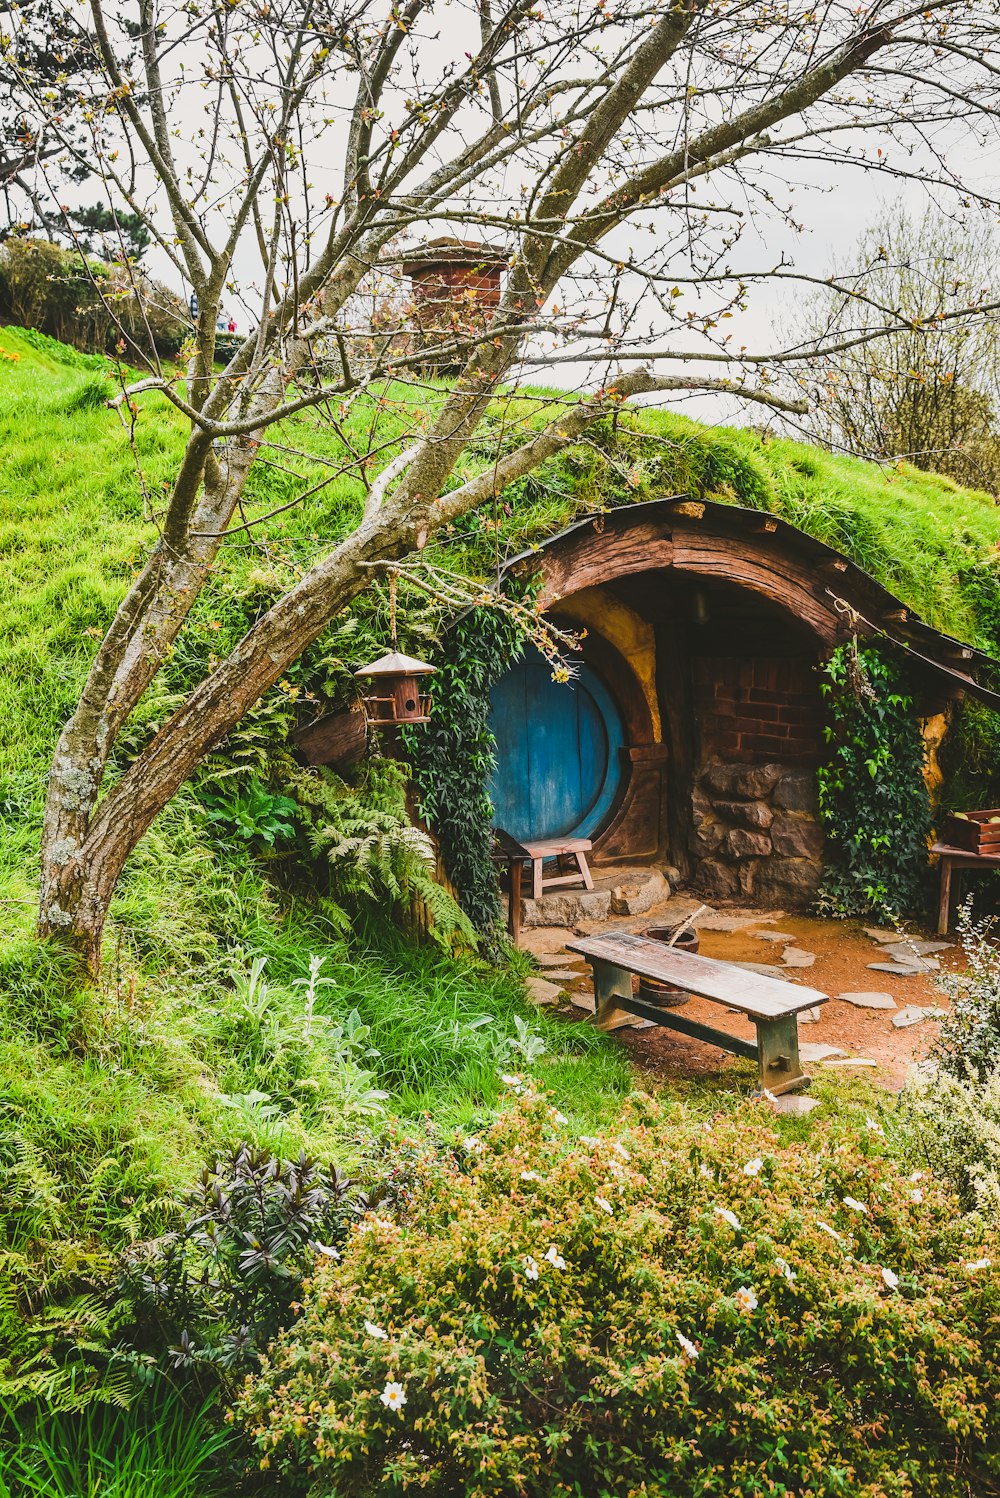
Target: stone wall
pixel 756 834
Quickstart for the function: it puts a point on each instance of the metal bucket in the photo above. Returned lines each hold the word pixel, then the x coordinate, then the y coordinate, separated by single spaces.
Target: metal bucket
pixel 667 994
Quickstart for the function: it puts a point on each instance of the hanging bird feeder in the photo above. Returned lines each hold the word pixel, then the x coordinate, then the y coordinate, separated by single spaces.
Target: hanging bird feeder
pixel 395 695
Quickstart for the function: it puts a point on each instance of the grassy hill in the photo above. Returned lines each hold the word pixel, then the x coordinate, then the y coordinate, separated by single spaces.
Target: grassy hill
pixel 110 1102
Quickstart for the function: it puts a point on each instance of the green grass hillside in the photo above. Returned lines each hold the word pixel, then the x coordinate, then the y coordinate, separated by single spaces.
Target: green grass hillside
pixel 110 1102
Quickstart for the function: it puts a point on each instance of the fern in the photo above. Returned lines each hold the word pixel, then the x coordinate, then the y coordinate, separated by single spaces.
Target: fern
pixel 372 849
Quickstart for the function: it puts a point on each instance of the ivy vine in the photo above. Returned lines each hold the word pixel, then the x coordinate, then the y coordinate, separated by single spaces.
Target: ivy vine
pixel 454 756
pixel 873 798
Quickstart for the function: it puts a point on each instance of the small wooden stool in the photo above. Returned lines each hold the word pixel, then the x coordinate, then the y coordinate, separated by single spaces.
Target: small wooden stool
pixel 564 849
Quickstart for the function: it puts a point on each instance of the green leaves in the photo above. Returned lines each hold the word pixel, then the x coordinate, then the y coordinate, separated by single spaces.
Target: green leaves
pixel 873 800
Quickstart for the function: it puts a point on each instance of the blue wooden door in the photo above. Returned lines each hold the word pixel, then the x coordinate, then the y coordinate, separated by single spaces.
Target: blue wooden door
pixel 558 761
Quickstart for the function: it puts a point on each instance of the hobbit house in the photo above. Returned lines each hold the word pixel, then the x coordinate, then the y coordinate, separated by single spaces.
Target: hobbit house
pixel 691 732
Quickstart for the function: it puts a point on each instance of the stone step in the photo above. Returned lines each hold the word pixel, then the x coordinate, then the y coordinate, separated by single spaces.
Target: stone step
pixel 620 890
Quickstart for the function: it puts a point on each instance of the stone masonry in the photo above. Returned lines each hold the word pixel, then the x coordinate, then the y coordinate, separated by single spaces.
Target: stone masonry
pixel 756 834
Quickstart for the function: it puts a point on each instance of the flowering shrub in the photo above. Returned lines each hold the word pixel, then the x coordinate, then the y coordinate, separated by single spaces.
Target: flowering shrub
pixel 676 1310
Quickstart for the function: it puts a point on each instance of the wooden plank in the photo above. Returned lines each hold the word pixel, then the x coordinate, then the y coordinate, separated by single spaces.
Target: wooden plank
pixel 559 845
pixel 752 993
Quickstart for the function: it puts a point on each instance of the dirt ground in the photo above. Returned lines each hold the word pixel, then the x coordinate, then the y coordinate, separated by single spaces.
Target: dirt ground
pixel 842 951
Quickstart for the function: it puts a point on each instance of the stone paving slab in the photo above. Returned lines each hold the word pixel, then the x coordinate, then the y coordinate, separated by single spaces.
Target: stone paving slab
pixel 808 1051
pixel 868 999
pixel 556 959
pixel 913 1014
pixel 542 992
pixel 912 969
pixel 772 935
pixel 796 957
pixel 850 1061
pixel 908 951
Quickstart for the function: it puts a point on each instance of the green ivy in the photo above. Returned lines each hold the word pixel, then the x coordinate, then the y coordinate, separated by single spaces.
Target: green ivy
pixel 454 756
pixel 873 799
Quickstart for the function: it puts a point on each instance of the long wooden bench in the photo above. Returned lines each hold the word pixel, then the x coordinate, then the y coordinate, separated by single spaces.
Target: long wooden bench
pixel 772 1004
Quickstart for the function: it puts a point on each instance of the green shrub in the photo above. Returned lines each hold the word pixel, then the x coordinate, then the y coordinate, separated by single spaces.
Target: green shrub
pixel 873 800
pixel 212 1295
pixel 680 1309
pixel 956 1127
pixel 968 1043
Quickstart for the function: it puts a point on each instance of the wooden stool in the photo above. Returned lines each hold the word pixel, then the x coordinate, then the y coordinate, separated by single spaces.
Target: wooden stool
pixel 564 849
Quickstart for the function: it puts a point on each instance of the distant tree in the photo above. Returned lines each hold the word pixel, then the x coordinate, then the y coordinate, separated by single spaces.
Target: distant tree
pixel 100 230
pixel 43 51
pixel 930 391
pixel 611 155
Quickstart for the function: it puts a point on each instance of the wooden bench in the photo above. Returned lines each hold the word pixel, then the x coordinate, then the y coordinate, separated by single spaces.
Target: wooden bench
pixel 564 849
pixel 772 1004
pixel 957 860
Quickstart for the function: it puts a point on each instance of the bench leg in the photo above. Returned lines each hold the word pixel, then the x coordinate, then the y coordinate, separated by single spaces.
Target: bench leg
pixel 610 983
pixel 514 898
pixel 536 878
pixel 584 867
pixel 778 1055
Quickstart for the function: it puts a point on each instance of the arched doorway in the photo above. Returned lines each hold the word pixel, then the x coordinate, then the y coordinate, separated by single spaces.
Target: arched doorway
pixel 559 765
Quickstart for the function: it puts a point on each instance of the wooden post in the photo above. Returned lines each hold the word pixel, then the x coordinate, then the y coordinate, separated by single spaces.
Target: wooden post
pixel 778 1054
pixel 514 900
pixel 610 983
pixel 944 899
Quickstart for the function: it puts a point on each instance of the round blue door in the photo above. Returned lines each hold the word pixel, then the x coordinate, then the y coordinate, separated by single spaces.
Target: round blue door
pixel 558 761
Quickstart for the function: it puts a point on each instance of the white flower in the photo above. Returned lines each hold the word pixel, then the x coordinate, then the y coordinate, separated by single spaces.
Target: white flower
pixel 730 1217
pixel 512 1080
pixel 688 1348
pixel 772 1097
pixel 917 1175
pixel 916 1195
pixel 746 1300
pixel 604 1204
pixel 530 1267
pixel 705 1173
pixel 393 1397
pixel 891 1280
pixel 621 1151
pixel 855 1205
pixel 327 1249
pixel 826 1228
pixel 589 1141
pixel 377 1332
pixel 557 1117
pixel 785 1269
pixel 474 1145
pixel 753 1167
pixel 530 1175
pixel 973 1264
pixel 555 1258
pixel 874 1127
pixel 377 1224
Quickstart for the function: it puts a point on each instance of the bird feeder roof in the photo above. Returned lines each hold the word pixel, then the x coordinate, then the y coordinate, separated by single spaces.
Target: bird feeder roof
pixel 396 664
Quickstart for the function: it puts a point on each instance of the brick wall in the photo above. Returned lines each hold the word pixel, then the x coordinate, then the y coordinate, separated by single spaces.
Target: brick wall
pixel 756 710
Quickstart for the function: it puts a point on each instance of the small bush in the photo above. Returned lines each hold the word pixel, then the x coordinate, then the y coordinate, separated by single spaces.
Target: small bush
pixel 968 1044
pixel 672 1311
pixel 218 1290
pixel 956 1108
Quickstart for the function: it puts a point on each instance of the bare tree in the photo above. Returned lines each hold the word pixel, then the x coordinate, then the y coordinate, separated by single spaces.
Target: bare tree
pixel 927 392
pixel 614 156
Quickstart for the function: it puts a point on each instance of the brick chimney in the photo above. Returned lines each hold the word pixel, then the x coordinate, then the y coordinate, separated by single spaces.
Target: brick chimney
pixel 456 289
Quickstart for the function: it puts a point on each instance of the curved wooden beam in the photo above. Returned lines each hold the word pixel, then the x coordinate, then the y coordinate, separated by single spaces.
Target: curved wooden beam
pixel 760 563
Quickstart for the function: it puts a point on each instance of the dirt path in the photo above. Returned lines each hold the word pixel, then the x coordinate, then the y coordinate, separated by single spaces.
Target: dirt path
pixel 842 953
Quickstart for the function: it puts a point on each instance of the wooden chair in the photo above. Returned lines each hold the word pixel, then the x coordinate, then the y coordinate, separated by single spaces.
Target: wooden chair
pixel 566 850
